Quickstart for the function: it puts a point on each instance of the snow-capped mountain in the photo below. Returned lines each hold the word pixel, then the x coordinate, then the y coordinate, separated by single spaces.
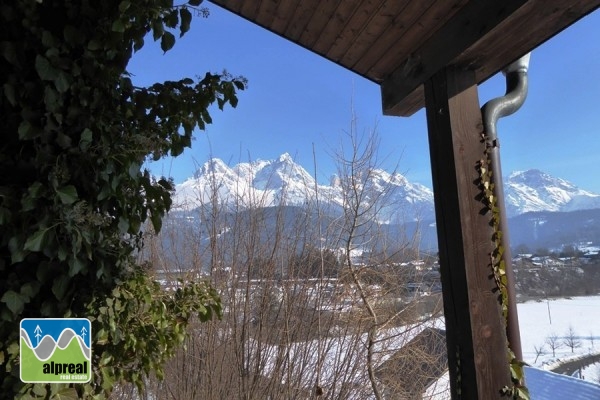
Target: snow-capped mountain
pixel 534 190
pixel 283 182
pixel 264 183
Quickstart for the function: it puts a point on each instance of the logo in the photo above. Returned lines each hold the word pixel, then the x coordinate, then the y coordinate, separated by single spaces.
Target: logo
pixel 56 350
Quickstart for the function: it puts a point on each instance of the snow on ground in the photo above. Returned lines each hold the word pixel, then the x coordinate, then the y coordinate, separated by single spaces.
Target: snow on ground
pixel 537 324
pixel 539 320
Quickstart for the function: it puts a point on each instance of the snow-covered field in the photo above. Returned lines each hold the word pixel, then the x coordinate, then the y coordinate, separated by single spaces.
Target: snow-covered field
pixel 539 321
pixel 537 324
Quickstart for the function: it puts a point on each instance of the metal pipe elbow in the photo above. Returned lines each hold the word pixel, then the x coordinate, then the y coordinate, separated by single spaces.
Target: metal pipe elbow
pixel 516 93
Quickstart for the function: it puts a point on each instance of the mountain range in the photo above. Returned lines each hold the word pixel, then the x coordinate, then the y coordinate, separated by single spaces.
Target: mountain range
pixel 265 183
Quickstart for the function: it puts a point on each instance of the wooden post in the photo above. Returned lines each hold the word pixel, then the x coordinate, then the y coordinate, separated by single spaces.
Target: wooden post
pixel 475 330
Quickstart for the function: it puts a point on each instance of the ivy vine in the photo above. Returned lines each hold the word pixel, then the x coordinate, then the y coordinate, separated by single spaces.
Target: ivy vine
pixel 74 197
pixel 517 391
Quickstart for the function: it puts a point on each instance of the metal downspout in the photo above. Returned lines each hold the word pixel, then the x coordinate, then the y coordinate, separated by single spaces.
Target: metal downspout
pixel 492 111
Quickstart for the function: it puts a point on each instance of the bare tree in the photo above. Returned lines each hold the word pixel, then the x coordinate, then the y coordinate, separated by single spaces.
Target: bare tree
pixel 554 342
pixel 315 305
pixel 539 350
pixel 367 258
pixel 571 340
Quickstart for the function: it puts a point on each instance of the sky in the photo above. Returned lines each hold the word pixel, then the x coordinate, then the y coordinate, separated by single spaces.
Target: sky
pixel 302 104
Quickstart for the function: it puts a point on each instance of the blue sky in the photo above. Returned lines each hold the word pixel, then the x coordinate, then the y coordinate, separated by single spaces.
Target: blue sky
pixel 297 100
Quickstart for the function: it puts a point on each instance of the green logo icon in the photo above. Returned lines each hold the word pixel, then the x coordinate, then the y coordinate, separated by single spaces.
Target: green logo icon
pixel 56 350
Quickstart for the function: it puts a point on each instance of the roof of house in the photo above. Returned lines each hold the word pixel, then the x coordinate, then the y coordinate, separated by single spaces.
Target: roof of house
pixel 415 366
pixel 549 385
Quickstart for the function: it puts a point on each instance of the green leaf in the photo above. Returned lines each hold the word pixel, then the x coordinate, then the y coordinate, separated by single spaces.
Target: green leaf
pixel 63 140
pixel 72 35
pixel 157 30
pixel 156 222
pixel 5 215
pixel 36 241
pixel 124 6
pixel 14 301
pixel 94 45
pixel 123 225
pixel 118 26
pixel 9 93
pixel 171 19
pixel 44 69
pixel 51 98
pixel 86 139
pixel 62 82
pixel 75 266
pixel 67 194
pixel 16 252
pixel 60 286
pixel 138 44
pixel 134 169
pixel 48 308
pixel 239 85
pixel 8 52
pixel 62 253
pixel 186 18
pixel 48 39
pixel 64 393
pixel 39 390
pixel 167 41
pixel 27 131
pixel 30 289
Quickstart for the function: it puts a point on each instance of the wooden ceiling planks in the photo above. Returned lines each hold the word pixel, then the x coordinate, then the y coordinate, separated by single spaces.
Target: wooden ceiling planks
pixel 382 49
pixel 426 25
pixel 352 30
pixel 282 18
pixel 232 5
pixel 374 30
pixel 250 8
pixel 319 21
pixel 299 20
pixel 267 12
pixel 335 25
pixel 389 41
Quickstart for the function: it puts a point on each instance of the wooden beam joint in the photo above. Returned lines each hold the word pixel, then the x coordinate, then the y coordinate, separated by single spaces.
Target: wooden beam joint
pixel 468 26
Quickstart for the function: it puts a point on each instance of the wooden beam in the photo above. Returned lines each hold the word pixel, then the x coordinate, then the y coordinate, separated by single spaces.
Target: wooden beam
pixel 468 25
pixel 475 330
pixel 528 27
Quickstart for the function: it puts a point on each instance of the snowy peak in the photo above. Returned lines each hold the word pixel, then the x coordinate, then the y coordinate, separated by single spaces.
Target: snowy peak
pixel 213 166
pixel 281 181
pixel 539 179
pixel 282 172
pixel 259 183
pixel 534 190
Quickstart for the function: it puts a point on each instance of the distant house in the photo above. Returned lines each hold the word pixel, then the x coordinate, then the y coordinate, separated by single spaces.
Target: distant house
pixel 402 356
pixel 416 366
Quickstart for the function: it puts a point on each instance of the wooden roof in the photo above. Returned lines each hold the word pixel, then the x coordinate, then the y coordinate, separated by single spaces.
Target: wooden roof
pixel 414 367
pixel 399 44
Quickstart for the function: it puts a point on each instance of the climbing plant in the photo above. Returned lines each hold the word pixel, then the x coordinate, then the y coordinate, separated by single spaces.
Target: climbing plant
pixel 518 390
pixel 74 196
